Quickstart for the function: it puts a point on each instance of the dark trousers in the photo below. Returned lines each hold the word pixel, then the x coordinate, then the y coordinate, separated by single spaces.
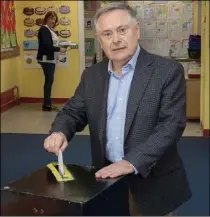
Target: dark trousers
pixel 49 70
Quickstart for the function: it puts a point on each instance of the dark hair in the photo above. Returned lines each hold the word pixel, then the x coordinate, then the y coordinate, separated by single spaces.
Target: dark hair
pixel 50 14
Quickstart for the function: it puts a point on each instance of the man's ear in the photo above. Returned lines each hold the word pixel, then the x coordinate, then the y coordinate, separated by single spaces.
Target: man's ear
pixel 138 30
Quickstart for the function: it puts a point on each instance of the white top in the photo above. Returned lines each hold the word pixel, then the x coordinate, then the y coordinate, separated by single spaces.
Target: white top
pixel 55 43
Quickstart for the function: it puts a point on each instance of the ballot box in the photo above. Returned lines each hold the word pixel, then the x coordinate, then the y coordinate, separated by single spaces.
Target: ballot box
pixel 42 193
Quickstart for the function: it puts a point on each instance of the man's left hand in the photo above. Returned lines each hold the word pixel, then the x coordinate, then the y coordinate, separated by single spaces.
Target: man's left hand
pixel 114 170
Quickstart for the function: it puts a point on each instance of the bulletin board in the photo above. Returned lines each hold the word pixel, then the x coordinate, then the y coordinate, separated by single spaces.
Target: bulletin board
pixel 165 26
pixel 9 46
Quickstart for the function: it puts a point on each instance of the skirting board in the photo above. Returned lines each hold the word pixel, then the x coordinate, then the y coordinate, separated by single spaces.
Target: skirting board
pixel 40 100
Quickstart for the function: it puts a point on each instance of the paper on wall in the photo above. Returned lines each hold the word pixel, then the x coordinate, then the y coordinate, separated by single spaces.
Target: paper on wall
pixel 162 47
pixel 149 12
pixel 187 28
pixel 184 48
pixel 162 29
pixel 174 11
pixel 187 12
pixel 161 11
pixel 149 30
pixel 174 30
pixel 175 46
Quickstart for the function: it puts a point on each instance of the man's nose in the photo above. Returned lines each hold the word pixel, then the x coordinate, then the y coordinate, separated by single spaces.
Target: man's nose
pixel 115 37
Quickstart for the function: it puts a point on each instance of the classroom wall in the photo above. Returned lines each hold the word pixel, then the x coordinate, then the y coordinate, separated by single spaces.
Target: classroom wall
pixel 205 66
pixel 9 73
pixel 32 80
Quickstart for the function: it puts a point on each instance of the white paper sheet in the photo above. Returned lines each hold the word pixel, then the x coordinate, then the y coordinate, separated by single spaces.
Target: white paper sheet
pixel 162 47
pixel 162 29
pixel 149 30
pixel 174 30
pixel 161 12
pixel 174 11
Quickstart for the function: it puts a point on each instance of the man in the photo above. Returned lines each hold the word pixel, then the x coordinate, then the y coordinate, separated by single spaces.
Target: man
pixel 134 105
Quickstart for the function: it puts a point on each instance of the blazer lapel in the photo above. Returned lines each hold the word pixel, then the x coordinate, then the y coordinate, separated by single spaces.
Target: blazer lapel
pixel 141 77
pixel 104 86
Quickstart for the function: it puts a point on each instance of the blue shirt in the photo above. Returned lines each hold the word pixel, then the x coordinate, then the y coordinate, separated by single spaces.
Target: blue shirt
pixel 119 87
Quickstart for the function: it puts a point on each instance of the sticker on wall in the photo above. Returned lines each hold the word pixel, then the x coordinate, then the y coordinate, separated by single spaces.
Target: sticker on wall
pixel 28 11
pixel 29 22
pixel 64 9
pixel 65 33
pixel 30 44
pixel 52 8
pixel 29 33
pixel 64 21
pixel 39 21
pixel 40 10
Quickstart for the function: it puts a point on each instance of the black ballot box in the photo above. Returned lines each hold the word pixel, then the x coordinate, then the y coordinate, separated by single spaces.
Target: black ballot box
pixel 39 193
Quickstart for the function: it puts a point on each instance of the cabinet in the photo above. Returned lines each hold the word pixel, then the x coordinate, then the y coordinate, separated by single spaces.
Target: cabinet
pixel 193 98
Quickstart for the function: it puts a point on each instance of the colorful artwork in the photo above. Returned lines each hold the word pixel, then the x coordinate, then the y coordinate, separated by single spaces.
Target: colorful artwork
pixel 8 28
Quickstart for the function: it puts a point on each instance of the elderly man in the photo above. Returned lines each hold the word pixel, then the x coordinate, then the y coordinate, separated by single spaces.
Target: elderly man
pixel 134 104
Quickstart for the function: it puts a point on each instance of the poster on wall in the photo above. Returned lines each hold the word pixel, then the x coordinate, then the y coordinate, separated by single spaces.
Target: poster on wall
pixel 9 46
pixel 89 47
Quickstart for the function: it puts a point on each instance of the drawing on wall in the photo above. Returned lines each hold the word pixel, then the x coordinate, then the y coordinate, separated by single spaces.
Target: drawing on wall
pixel 30 44
pixel 161 12
pixel 65 21
pixel 64 9
pixel 65 33
pixel 29 22
pixel 29 33
pixel 40 10
pixel 28 11
pixel 89 47
pixel 52 8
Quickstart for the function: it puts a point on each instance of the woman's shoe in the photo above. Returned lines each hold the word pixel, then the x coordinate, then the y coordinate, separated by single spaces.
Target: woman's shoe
pixel 46 108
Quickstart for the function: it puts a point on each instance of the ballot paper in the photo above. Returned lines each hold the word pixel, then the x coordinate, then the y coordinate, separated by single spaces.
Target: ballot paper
pixel 60 163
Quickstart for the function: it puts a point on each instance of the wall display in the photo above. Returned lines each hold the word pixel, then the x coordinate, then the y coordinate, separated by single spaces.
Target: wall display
pixel 64 9
pixel 165 26
pixel 65 21
pixel 9 46
pixel 29 22
pixel 40 10
pixel 28 11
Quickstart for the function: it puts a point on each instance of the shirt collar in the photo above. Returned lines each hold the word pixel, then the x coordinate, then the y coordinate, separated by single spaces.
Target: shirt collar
pixel 132 61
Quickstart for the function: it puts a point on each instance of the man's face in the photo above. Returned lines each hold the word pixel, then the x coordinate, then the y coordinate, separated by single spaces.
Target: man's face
pixel 118 35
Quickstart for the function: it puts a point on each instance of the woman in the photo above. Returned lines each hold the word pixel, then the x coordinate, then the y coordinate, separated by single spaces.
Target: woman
pixel 47 54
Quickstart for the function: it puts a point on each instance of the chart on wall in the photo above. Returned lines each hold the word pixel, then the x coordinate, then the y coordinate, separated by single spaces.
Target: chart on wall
pixel 165 26
pixel 8 27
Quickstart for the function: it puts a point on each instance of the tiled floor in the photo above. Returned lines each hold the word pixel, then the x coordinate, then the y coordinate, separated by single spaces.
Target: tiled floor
pixel 28 118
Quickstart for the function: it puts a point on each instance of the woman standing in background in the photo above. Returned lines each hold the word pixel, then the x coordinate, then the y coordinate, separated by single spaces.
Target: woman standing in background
pixel 48 54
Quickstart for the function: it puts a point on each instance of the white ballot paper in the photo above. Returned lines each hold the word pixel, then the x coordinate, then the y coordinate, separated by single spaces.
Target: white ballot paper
pixel 60 163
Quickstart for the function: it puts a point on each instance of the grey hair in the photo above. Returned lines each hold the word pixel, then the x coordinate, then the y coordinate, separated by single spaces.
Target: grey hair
pixel 115 6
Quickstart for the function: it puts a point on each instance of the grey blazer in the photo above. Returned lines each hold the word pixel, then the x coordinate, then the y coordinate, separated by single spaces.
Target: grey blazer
pixel 154 124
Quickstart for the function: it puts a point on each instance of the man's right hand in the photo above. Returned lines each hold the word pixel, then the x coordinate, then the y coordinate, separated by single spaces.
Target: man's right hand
pixel 55 142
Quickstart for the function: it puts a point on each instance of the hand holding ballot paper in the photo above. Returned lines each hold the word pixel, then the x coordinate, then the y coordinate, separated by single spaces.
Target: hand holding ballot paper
pixel 56 142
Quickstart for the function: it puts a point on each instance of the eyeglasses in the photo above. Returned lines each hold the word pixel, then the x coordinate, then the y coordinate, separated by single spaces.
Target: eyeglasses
pixel 121 31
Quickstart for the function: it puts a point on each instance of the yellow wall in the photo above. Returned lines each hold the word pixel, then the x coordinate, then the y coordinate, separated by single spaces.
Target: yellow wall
pixel 205 59
pixel 9 73
pixel 66 79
